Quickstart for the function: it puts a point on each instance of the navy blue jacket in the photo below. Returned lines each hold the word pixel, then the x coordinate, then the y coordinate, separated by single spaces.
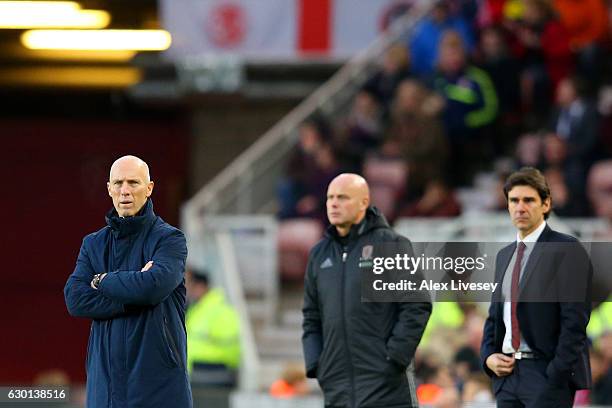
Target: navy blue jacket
pixel 136 356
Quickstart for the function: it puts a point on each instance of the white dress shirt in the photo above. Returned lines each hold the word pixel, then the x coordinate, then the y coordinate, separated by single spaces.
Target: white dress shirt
pixel 529 242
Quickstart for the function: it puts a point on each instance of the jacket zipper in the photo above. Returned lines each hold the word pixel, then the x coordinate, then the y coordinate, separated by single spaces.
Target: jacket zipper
pixel 173 348
pixel 109 324
pixel 346 344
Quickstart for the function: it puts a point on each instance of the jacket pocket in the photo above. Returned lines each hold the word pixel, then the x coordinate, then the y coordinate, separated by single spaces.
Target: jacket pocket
pixel 170 344
pixel 322 364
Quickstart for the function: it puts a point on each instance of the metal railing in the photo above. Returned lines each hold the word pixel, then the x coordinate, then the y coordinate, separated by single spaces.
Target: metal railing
pixel 240 253
pixel 491 227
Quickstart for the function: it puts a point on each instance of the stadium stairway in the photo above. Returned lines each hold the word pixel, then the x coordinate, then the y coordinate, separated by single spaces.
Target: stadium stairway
pixel 279 344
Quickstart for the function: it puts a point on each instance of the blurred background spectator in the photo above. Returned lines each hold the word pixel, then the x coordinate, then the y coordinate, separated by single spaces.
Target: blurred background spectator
pixel 396 67
pixel 311 167
pixel 570 147
pixel 599 187
pixel 292 383
pixel 470 105
pixel 477 391
pixel 601 369
pixel 361 132
pixel 542 44
pixel 586 23
pixel 425 40
pixel 213 333
pixel 417 137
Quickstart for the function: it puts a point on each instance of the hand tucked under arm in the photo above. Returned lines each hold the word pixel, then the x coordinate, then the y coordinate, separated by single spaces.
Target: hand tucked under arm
pixel 81 299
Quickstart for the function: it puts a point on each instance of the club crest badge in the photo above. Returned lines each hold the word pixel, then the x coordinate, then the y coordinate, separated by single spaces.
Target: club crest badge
pixel 366 252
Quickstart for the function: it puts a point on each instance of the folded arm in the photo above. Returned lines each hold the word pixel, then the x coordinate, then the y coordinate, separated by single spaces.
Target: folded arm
pixel 152 286
pixel 84 301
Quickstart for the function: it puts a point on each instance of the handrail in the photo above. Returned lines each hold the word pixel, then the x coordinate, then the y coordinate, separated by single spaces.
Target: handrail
pixel 249 368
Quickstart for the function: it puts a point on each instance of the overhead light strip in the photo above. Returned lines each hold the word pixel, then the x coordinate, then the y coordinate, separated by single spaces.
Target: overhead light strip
pixel 81 55
pixel 83 19
pixel 39 6
pixel 43 14
pixel 53 76
pixel 134 40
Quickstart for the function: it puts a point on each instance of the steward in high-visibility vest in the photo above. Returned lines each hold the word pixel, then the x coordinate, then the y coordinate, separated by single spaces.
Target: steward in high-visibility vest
pixel 601 320
pixel 213 330
pixel 443 315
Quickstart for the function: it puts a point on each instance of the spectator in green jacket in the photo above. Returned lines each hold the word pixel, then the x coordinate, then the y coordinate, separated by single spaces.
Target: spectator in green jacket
pixel 470 104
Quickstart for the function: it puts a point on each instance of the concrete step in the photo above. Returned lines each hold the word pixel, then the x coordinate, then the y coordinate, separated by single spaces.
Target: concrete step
pixel 279 342
pixel 291 318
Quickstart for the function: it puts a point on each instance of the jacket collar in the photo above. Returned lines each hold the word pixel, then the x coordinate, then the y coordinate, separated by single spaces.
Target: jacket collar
pixel 131 225
pixel 534 236
pixel 373 219
pixel 534 257
pixel 545 233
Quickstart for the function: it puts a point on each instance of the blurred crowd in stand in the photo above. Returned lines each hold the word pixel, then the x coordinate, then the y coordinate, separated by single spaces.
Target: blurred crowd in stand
pixel 479 89
pixel 448 367
pixel 447 363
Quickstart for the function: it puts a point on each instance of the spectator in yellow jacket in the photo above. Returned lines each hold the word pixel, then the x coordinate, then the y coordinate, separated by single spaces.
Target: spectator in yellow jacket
pixel 213 333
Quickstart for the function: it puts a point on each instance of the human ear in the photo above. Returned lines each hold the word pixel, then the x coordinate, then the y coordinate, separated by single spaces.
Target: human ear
pixel 150 188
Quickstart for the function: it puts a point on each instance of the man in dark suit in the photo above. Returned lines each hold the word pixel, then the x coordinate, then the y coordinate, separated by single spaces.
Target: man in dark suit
pixel 534 343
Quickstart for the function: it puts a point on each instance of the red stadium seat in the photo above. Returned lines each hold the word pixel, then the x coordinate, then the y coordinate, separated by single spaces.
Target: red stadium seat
pixel 295 239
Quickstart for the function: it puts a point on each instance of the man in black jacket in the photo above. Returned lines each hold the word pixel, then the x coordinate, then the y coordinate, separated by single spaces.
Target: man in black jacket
pixel 534 344
pixel 358 351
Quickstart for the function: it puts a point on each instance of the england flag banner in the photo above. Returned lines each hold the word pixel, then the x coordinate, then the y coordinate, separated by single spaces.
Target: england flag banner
pixel 276 29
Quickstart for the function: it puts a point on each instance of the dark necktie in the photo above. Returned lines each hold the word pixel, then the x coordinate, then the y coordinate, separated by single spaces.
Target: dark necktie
pixel 516 274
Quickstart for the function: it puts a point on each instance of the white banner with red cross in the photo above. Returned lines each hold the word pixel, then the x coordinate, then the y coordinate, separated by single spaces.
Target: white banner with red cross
pixel 276 29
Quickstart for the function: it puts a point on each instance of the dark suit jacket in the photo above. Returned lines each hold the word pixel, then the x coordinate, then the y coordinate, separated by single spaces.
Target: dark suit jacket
pixel 553 311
